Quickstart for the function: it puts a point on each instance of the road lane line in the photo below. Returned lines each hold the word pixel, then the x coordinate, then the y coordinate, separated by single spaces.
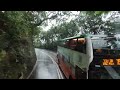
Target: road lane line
pixel 112 72
pixel 54 63
pixel 58 70
pixel 33 68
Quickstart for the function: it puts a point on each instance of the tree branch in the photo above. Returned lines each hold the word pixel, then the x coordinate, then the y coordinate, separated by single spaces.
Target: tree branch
pixel 41 21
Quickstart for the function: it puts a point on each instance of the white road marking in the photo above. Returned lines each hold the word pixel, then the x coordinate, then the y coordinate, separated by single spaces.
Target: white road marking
pixel 32 70
pixel 112 72
pixel 58 70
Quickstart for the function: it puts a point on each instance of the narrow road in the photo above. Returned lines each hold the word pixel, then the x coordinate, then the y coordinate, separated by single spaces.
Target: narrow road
pixel 46 66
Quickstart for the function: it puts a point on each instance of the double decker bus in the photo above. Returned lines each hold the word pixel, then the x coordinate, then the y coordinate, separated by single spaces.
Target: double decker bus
pixel 90 57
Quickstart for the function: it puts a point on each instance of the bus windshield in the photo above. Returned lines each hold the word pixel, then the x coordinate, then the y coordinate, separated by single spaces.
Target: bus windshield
pixel 106 43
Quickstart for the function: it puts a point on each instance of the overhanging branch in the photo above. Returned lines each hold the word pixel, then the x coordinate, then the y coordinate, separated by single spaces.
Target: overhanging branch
pixel 41 21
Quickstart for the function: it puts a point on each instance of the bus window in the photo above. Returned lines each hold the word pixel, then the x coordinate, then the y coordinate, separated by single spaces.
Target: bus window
pixel 73 43
pixel 81 45
pixel 65 44
pixel 109 43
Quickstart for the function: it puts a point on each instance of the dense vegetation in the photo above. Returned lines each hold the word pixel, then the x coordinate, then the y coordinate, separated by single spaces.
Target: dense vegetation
pixel 17 55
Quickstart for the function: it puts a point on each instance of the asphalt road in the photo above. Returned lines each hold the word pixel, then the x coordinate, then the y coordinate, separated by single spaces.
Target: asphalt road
pixel 46 66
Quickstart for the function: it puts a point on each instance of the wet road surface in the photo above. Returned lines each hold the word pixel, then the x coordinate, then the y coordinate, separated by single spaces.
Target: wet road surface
pixel 46 67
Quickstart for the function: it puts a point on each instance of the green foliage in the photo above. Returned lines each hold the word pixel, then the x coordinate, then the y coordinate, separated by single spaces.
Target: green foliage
pixel 16 33
pixel 91 22
pixel 64 30
pixel 20 23
pixel 97 13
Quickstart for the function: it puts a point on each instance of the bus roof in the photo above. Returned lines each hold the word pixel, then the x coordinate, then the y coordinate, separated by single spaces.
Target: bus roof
pixel 91 36
pixel 80 36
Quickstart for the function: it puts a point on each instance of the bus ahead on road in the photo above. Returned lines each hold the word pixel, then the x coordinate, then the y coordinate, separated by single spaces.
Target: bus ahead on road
pixel 90 57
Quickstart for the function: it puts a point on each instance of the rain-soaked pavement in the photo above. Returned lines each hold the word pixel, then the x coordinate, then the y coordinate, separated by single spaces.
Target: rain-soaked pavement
pixel 46 67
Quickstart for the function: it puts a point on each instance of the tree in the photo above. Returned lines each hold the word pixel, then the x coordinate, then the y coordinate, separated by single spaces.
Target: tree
pixel 92 23
pixel 51 37
pixel 16 32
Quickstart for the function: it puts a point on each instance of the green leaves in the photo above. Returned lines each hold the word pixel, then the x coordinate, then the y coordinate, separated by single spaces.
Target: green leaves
pixel 91 22
pixel 101 12
pixel 50 38
pixel 96 13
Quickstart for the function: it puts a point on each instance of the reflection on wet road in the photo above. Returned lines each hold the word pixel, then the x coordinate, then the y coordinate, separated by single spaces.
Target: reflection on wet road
pixel 45 67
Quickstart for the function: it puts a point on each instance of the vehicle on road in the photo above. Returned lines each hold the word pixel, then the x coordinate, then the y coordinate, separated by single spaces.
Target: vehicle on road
pixel 90 57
